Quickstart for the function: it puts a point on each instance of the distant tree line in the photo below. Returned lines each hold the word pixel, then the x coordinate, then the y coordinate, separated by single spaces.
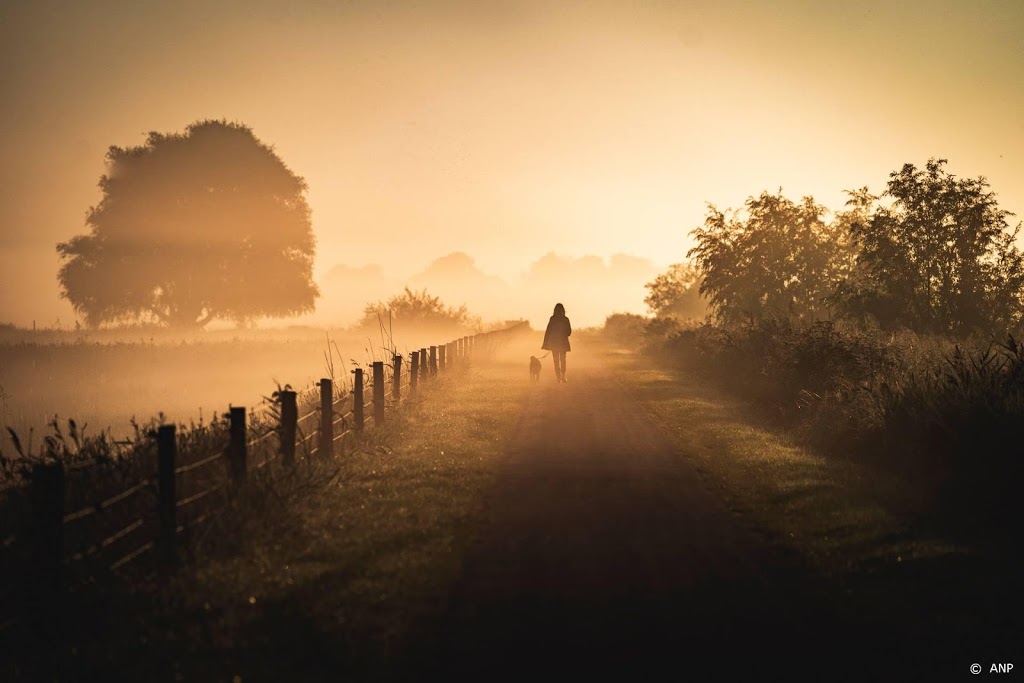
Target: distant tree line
pixel 934 253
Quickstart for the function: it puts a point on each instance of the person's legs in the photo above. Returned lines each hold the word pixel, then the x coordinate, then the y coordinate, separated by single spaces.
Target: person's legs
pixel 563 365
pixel 559 362
pixel 555 362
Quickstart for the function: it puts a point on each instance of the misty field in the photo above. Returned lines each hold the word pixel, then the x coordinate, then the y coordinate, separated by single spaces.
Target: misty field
pixel 103 380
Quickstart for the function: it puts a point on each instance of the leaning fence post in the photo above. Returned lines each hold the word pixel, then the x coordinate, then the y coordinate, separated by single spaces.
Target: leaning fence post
pixel 378 392
pixel 413 372
pixel 47 498
pixel 441 356
pixel 237 447
pixel 289 424
pixel 433 360
pixel 396 379
pixel 167 496
pixel 357 399
pixel 326 448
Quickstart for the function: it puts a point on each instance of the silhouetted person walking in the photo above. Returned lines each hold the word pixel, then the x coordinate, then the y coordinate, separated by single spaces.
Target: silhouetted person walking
pixel 556 340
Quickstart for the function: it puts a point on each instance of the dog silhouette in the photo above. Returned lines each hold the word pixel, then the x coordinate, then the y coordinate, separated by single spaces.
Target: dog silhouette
pixel 535 368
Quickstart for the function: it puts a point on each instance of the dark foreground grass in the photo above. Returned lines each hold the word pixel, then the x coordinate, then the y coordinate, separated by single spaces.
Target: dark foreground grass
pixel 949 603
pixel 341 575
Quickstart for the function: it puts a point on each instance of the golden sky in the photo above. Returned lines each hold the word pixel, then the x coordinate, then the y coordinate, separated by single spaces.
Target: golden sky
pixel 504 130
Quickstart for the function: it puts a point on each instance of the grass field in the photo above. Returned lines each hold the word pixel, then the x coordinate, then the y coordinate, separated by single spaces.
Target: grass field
pixel 105 378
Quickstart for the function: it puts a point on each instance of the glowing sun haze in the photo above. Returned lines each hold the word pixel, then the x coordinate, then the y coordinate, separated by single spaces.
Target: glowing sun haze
pixel 503 130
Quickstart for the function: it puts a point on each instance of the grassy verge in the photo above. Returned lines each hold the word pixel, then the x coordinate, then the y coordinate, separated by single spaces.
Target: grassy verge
pixel 853 525
pixel 343 582
pixel 944 418
pixel 842 515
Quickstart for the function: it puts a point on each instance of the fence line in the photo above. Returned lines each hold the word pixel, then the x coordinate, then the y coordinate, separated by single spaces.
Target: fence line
pixel 105 504
pixel 199 463
pixel 48 487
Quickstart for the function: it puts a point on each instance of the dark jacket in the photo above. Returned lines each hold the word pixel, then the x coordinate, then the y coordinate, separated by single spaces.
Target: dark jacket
pixel 556 337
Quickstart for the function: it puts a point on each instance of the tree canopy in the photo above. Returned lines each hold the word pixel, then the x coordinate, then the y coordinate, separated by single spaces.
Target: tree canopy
pixel 940 258
pixel 774 257
pixel 193 226
pixel 934 253
pixel 676 292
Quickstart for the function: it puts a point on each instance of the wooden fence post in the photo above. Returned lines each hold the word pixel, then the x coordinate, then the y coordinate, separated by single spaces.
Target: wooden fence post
pixel 413 372
pixel 433 360
pixel 167 496
pixel 238 456
pixel 47 539
pixel 357 399
pixel 424 363
pixel 289 424
pixel 441 352
pixel 378 393
pixel 396 379
pixel 326 448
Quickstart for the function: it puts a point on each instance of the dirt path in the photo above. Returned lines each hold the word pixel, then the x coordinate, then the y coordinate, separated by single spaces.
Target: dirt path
pixel 603 554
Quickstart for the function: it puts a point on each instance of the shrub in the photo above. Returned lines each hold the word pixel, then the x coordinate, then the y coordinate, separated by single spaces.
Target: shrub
pixel 626 328
pixel 417 309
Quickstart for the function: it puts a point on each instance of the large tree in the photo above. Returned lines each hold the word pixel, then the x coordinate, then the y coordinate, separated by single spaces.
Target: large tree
pixel 193 226
pixel 773 258
pixel 938 257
